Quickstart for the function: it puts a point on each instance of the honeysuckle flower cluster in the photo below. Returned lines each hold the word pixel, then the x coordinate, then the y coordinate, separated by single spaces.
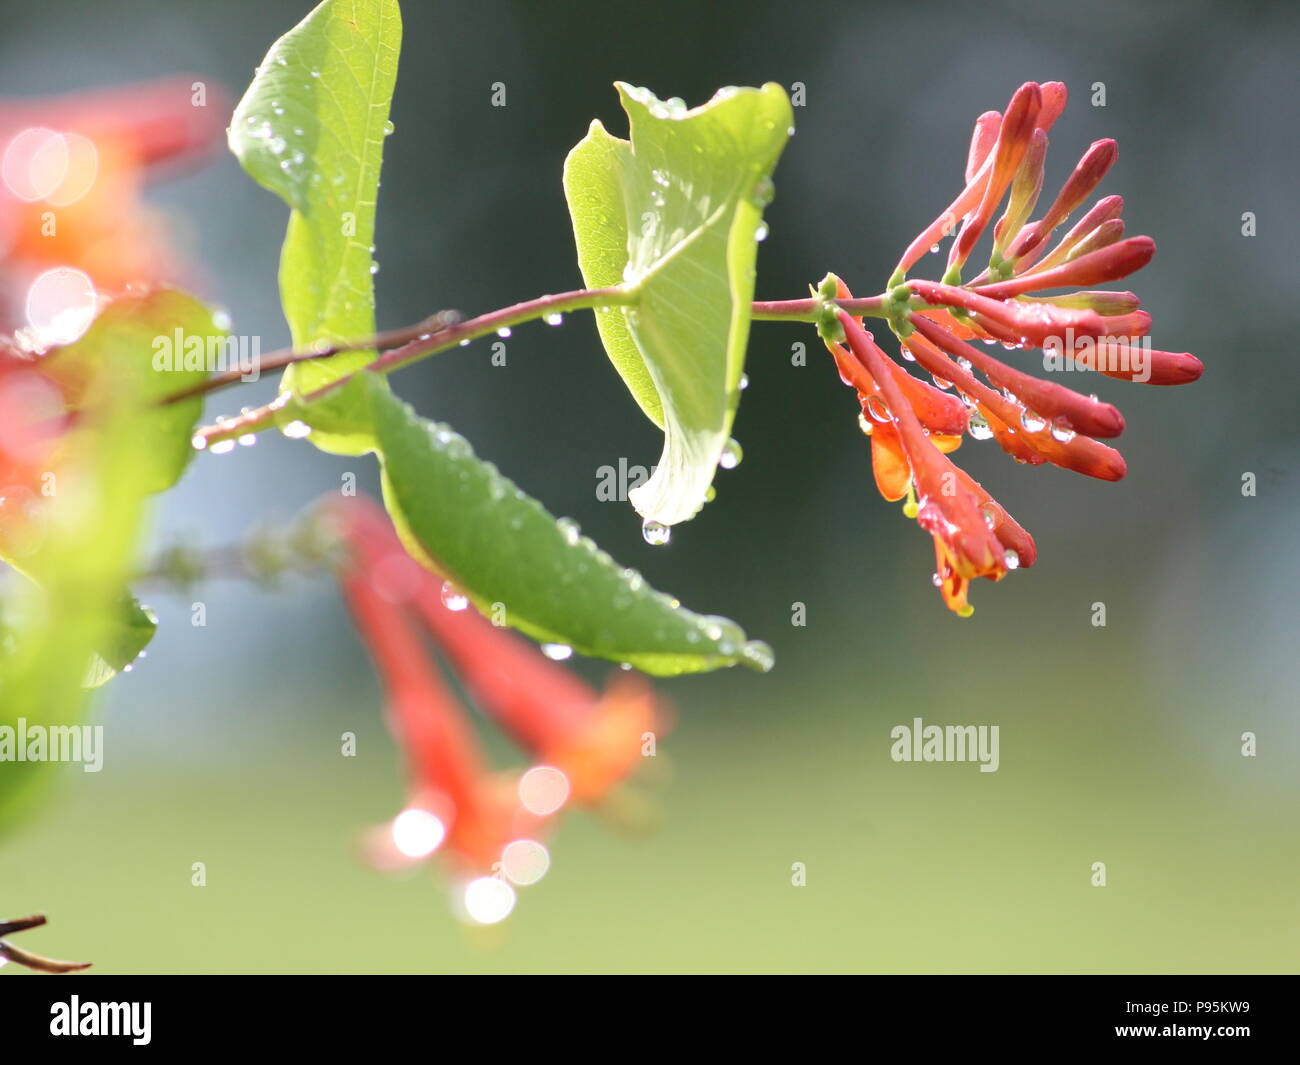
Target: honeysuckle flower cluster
pixel 488 827
pixel 915 424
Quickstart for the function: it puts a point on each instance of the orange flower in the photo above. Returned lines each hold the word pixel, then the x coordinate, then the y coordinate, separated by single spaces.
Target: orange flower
pixel 1034 421
pixel 583 745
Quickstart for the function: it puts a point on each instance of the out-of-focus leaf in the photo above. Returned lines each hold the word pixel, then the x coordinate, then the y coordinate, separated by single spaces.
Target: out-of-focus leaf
pixel 139 350
pixel 74 617
pixel 458 514
pixel 674 215
pixel 129 634
pixel 311 129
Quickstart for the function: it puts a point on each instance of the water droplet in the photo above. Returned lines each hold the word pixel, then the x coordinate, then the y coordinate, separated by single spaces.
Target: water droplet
pixel 1012 557
pixel 764 192
pixel 198 442
pixel 222 447
pixel 569 528
pixel 655 533
pixel 939 382
pixel 453 598
pixel 503 332
pixel 990 516
pixel 1031 421
pixel 1061 432
pixel 760 234
pixel 247 440
pixel 374 267
pixel 557 652
pixel 554 318
pixel 731 455
pixel 744 381
pixel 758 655
pixel 388 128
pixel 297 430
pixel 934 249
pixel 877 410
pixel 978 428
pixel 936 580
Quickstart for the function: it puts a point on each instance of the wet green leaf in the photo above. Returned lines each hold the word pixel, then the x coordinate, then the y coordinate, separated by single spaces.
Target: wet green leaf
pixel 500 546
pixel 311 128
pixel 674 216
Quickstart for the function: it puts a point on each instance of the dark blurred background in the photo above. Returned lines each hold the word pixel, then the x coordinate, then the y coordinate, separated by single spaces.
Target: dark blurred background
pixel 1119 744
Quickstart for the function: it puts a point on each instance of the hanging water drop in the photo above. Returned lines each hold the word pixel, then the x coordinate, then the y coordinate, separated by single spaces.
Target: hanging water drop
pixel 557 652
pixel 760 234
pixel 655 533
pixel 731 455
pixel 554 318
pixel 503 332
pixel 297 430
pixel 1012 557
pixel 388 128
pixel 1062 433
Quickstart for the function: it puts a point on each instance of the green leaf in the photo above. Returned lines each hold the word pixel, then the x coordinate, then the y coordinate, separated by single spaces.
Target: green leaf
pixel 74 619
pixel 140 349
pixel 311 129
pixel 132 629
pixel 673 216
pixel 498 545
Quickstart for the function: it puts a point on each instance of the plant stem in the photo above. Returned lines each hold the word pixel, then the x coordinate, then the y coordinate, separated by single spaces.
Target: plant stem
pixel 806 310
pixel 423 344
pixel 401 347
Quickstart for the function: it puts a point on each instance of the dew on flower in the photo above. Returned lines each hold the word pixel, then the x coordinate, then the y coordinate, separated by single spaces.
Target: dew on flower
pixel 543 790
pixel 557 652
pixel 525 861
pixel 1032 422
pixel 453 598
pixel 417 833
pixel 488 900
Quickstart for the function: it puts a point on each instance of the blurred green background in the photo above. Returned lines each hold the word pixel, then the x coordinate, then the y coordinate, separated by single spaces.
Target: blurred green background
pixel 1118 744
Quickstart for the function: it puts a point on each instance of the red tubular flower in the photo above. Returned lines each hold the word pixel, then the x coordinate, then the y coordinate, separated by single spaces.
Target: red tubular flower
pixel 1011 301
pixel 583 744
